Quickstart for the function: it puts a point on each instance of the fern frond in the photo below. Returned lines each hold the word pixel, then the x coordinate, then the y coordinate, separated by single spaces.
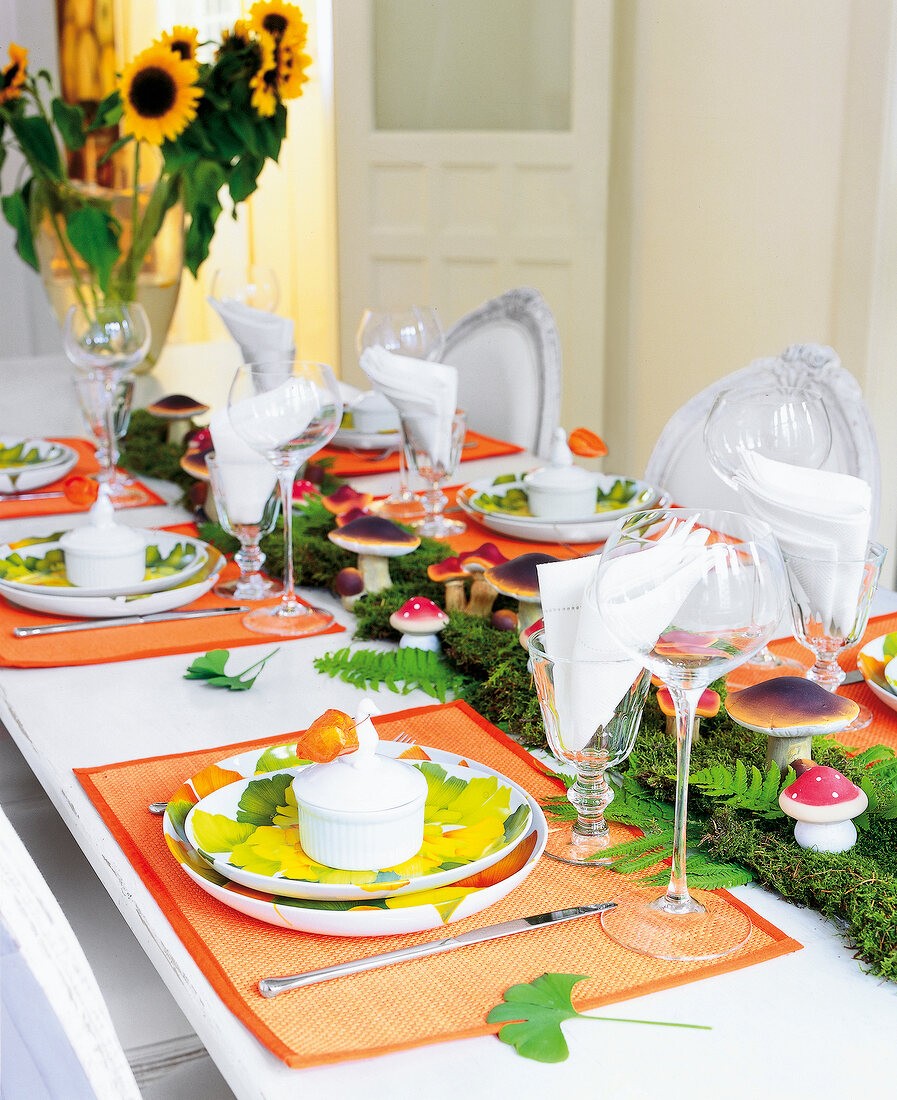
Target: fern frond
pixel 705 873
pixel 742 789
pixel 401 671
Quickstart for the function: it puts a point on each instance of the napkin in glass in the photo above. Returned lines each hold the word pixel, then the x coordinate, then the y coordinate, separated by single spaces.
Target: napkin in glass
pixel 587 693
pixel 426 393
pixel 261 335
pixel 247 478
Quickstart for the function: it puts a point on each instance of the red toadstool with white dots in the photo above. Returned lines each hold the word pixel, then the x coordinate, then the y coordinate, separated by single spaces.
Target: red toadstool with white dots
pixel 419 621
pixel 823 801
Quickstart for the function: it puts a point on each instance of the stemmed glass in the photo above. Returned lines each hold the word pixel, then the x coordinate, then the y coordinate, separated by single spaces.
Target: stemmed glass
pixel 107 341
pixel 434 454
pixel 415 331
pixel 287 411
pixel 690 595
pixel 561 685
pixel 255 286
pixel 247 502
pixel 92 398
pixel 830 603
pixel 786 423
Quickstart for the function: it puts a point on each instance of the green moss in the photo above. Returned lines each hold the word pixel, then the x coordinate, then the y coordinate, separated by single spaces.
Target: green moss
pixel 144 450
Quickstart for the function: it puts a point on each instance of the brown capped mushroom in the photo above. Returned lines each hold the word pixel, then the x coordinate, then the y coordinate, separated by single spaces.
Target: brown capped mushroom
pixel 419 621
pixel 349 585
pixel 179 411
pixel 476 562
pixel 790 710
pixel 823 801
pixel 450 573
pixel 375 540
pixel 505 619
pixel 518 578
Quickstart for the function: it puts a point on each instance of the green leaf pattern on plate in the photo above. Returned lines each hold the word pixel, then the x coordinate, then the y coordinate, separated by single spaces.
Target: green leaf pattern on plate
pixel 49 571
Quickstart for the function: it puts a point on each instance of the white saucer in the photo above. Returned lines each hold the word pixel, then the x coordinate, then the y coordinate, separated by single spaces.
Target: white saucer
pixel 34 475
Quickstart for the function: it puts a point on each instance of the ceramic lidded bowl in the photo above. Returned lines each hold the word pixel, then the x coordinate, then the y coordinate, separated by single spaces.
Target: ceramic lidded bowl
pixel 103 553
pixel 372 412
pixel 361 811
pixel 561 490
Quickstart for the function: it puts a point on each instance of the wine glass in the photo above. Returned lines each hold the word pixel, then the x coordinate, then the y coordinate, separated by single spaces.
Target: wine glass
pixel 433 448
pixel 107 341
pixel 690 594
pixel 830 603
pixel 91 394
pixel 286 410
pixel 786 423
pixel 255 286
pixel 568 689
pixel 247 502
pixel 415 331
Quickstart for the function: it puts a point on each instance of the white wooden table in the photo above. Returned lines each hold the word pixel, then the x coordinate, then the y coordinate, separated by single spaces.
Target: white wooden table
pixel 811 1018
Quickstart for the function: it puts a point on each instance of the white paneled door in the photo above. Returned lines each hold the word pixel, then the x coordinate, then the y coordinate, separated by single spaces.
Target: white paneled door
pixel 472 152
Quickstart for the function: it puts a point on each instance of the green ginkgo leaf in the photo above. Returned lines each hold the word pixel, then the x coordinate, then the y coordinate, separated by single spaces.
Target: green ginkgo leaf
pixel 217 833
pixel 260 801
pixel 537 1011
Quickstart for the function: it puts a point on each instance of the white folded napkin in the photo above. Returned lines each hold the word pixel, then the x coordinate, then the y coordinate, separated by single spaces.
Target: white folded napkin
pixel 275 417
pixel 426 393
pixel 589 688
pixel 822 521
pixel 262 336
pixel 247 478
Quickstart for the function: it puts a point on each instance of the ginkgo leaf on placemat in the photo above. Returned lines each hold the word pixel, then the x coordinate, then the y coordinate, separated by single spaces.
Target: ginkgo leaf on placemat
pixel 210 667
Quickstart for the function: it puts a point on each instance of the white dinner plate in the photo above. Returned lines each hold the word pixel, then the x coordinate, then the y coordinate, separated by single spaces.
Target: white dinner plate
pixel 366 441
pixel 536 529
pixel 372 917
pixel 875 649
pixel 112 607
pixel 57 460
pixel 226 802
pixel 164 541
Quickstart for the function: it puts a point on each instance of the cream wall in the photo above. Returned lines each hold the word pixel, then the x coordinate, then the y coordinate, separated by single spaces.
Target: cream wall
pixel 748 183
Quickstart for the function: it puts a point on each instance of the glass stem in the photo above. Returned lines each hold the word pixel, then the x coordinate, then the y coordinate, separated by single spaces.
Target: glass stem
pixel 285 476
pixel 826 671
pixel 404 493
pixel 590 795
pixel 685 701
pixel 109 419
pixel 250 557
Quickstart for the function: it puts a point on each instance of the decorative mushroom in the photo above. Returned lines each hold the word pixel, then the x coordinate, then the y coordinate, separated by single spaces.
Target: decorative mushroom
pixel 790 710
pixel 419 621
pixel 524 635
pixel 450 573
pixel 344 499
pixel 708 707
pixel 375 540
pixel 505 619
pixel 347 517
pixel 518 578
pixel 476 562
pixel 823 801
pixel 349 585
pixel 179 412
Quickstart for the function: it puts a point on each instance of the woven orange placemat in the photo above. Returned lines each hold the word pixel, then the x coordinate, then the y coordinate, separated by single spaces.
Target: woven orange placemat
pixel 415 1003
pixel 129 643
pixel 86 465
pixel 344 462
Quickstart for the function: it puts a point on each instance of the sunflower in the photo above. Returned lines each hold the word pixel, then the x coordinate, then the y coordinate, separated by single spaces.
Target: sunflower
pixel 13 76
pixel 158 95
pixel 279 19
pixel 183 40
pixel 264 82
pixel 291 66
pixel 236 39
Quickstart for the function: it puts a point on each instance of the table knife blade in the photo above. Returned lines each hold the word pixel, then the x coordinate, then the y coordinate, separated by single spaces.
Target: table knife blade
pixel 124 620
pixel 271 987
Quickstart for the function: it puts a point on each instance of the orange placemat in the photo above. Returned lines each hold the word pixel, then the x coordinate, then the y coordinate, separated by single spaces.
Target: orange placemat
pixel 128 643
pixel 344 462
pixel 425 1001
pixel 86 465
pixel 883 728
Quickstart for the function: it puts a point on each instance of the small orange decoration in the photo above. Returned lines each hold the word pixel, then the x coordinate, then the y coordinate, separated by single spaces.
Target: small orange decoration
pixel 80 490
pixel 330 736
pixel 586 444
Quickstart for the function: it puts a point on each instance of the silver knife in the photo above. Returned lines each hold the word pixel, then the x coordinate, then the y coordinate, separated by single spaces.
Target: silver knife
pixel 271 987
pixel 125 620
pixel 25 495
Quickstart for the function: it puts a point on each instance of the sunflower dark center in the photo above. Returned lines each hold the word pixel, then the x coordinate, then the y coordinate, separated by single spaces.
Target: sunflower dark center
pixel 153 93
pixel 183 49
pixel 275 24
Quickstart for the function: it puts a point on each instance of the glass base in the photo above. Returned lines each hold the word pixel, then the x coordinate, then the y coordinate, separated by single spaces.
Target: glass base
pixel 569 846
pixel 258 587
pixel 438 527
pixel 756 671
pixel 275 620
pixel 708 928
pixel 401 508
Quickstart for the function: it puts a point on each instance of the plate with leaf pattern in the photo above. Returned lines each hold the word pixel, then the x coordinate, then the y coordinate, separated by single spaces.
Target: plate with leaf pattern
pixel 32 463
pixel 368 916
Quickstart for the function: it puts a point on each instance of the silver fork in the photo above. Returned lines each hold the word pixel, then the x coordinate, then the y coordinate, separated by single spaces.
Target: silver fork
pixel 161 807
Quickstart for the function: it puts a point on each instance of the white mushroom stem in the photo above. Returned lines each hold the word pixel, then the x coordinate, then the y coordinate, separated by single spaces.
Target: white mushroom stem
pixel 832 836
pixel 482 597
pixel 784 749
pixel 178 429
pixel 375 572
pixel 455 597
pixel 527 613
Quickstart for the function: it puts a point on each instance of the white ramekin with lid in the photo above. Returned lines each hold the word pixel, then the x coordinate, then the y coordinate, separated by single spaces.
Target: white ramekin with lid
pixel 103 553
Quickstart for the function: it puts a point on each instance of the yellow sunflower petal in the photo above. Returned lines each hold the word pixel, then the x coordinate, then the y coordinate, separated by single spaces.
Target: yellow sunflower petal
pixel 264 82
pixel 183 40
pixel 278 19
pixel 291 66
pixel 158 95
pixel 13 75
